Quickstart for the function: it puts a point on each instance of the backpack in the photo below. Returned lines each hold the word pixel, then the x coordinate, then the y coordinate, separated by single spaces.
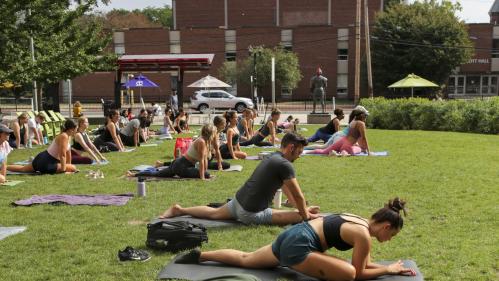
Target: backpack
pixel 174 236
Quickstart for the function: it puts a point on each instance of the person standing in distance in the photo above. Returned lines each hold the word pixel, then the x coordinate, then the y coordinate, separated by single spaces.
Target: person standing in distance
pixel 318 85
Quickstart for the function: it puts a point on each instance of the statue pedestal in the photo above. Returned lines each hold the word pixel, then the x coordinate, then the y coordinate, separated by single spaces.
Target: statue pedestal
pixel 318 118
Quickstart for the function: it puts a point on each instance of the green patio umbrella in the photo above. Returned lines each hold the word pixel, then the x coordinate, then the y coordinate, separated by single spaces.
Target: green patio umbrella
pixel 413 81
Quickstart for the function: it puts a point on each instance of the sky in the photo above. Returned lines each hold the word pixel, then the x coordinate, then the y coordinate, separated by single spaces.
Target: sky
pixel 473 10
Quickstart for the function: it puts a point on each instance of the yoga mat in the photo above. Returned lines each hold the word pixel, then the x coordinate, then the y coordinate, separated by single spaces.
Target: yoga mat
pixel 128 150
pixel 24 162
pixel 207 270
pixel 148 144
pixel 92 200
pixel 234 168
pixel 256 146
pixel 148 179
pixel 8 231
pixel 252 157
pixel 379 153
pixel 11 183
pixel 205 222
pixel 23 173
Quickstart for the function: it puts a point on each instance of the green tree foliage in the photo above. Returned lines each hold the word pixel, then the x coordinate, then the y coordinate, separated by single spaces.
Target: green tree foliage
pixel 65 46
pixel 138 18
pixel 425 38
pixel 388 3
pixel 287 71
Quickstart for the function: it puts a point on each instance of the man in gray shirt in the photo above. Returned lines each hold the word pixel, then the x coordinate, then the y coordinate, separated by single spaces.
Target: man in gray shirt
pixel 252 200
pixel 318 85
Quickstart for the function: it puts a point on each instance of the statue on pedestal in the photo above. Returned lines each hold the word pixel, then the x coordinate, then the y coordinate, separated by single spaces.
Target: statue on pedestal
pixel 318 85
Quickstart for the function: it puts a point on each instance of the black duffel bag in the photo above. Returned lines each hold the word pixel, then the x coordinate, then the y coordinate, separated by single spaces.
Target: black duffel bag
pixel 174 236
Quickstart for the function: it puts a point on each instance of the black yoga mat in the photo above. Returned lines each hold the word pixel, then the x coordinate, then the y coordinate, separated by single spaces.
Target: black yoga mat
pixel 211 269
pixel 204 222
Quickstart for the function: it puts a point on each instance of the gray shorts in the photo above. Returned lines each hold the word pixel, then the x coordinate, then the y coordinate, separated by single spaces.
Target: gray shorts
pixel 237 212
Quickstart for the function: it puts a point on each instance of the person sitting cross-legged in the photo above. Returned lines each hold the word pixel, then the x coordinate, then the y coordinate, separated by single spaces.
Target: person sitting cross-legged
pixel 251 203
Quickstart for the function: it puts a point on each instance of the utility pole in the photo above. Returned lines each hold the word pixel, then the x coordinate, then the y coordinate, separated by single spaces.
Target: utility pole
pixel 32 48
pixel 357 53
pixel 368 51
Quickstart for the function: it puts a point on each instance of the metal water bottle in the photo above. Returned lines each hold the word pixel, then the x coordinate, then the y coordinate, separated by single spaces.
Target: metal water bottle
pixel 141 187
pixel 278 199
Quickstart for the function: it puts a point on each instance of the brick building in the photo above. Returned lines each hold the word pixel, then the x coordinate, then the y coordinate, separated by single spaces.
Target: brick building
pixel 321 32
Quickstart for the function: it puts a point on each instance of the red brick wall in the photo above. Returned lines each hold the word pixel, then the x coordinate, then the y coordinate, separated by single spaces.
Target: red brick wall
pixel 251 13
pixel 199 13
pixel 209 41
pixel 314 49
pixel 303 12
pixel 483 35
pixel 147 41
pixel 92 87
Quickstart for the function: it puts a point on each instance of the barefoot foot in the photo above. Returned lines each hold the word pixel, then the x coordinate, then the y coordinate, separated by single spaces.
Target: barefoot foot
pixel 173 211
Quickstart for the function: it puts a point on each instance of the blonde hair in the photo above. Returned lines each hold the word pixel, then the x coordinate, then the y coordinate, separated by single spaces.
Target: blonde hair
pixel 209 134
pixel 81 120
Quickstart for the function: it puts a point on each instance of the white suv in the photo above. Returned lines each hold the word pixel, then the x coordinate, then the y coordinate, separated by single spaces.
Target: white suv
pixel 204 99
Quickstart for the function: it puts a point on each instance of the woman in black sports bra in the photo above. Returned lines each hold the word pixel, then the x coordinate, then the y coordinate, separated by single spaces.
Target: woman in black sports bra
pixel 302 246
pixel 267 130
pixel 231 149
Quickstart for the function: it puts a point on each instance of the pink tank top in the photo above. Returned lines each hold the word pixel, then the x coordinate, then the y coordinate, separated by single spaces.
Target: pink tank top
pixel 54 151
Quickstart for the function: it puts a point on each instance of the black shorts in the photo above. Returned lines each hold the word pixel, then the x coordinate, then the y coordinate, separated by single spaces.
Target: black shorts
pixel 45 163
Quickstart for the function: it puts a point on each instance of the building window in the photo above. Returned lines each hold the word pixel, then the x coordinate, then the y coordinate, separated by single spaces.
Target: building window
pixel 286 92
pixel 175 42
pixel 342 85
pixel 287 39
pixel 342 54
pixel 343 34
pixel 230 45
pixel 230 56
pixel 495 48
pixel 119 42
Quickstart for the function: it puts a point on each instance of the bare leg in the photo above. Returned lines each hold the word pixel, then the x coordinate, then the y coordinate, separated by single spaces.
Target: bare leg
pixel 240 154
pixel 20 168
pixel 2 179
pixel 285 217
pixel 326 267
pixel 261 258
pixel 203 212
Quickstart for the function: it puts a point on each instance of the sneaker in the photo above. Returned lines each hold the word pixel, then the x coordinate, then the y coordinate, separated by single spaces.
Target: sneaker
pixel 191 257
pixel 131 254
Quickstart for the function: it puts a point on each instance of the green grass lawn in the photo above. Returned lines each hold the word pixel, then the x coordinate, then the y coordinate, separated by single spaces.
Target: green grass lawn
pixel 450 180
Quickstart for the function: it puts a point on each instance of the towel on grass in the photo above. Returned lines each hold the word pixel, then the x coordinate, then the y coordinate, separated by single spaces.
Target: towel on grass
pixel 92 200
pixel 11 183
pixel 12 230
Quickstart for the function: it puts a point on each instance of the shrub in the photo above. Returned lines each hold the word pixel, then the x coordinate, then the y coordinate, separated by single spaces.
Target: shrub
pixel 479 116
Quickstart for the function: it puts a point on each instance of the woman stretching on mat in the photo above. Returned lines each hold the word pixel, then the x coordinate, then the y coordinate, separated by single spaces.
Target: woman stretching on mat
pixel 19 136
pixel 5 149
pixel 82 144
pixel 302 246
pixel 245 125
pixel 219 123
pixel 325 133
pixel 269 129
pixel 110 140
pixel 338 135
pixel 182 121
pixel 185 166
pixel 356 134
pixel 56 159
pixel 168 127
pixel 231 149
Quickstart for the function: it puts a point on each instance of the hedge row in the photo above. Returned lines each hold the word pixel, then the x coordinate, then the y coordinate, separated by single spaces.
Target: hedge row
pixel 479 116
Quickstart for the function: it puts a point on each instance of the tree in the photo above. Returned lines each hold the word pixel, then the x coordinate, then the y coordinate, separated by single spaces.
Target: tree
pixel 145 18
pixel 388 3
pixel 64 47
pixel 425 38
pixel 287 71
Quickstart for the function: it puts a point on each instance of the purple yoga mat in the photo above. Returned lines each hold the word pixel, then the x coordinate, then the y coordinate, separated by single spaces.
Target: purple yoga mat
pixel 93 200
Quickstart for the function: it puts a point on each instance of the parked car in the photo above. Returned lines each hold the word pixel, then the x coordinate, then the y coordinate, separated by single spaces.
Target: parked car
pixel 204 99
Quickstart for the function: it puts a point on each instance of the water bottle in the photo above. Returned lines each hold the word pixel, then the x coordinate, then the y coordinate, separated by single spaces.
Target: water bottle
pixel 30 143
pixel 141 187
pixel 278 199
pixel 45 140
